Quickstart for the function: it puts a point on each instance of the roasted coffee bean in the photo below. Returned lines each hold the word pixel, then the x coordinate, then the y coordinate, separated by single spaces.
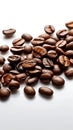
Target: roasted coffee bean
pixel 18 42
pixel 47 71
pixel 64 61
pixel 52 54
pixel 49 29
pixel 62 33
pixel 35 72
pixel 14 59
pixel 27 49
pixel 45 36
pixel 17 49
pixel 28 64
pixel 29 91
pixel 69 38
pixel 69 53
pixel 49 47
pixel 14 72
pixel 69 24
pixel 60 51
pixel 31 80
pixel 57 69
pixel 71 61
pixel 51 41
pixel 27 37
pixel 13 85
pixel 1 73
pixel 46 76
pixel 61 43
pixel 40 50
pixel 47 63
pixel 38 67
pixel 7 67
pixel 38 41
pixel 58 81
pixel 2 60
pixel 69 72
pixel 45 91
pixel 20 77
pixel 4 93
pixel 4 48
pixel 69 45
pixel 38 61
pixel 29 56
pixel 9 32
pixel 19 67
pixel 36 55
pixel 70 32
pixel 6 78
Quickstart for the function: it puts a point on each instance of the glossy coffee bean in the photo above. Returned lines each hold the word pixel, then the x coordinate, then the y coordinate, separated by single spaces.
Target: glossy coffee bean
pixel 9 32
pixel 64 61
pixel 20 77
pixel 27 49
pixel 4 48
pixel 60 51
pixel 40 50
pixel 69 53
pixel 69 72
pixel 47 63
pixel 50 41
pixel 46 76
pixel 2 60
pixel 69 24
pixel 58 81
pixel 19 67
pixel 18 42
pixel 69 38
pixel 17 49
pixel 57 69
pixel 47 71
pixel 31 80
pixel 62 33
pixel 4 92
pixel 35 72
pixel 45 36
pixel 13 85
pixel 13 59
pixel 49 47
pixel 49 29
pixel 28 64
pixel 38 41
pixel 52 54
pixel 29 91
pixel 7 67
pixel 27 37
pixel 61 43
pixel 45 91
pixel 69 45
pixel 14 72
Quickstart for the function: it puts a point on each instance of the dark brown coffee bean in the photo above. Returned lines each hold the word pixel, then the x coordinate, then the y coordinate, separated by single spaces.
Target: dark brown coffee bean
pixel 36 55
pixel 45 91
pixel 14 72
pixel 64 61
pixel 2 60
pixel 51 41
pixel 45 36
pixel 69 45
pixel 70 32
pixel 45 76
pixel 38 61
pixel 7 67
pixel 29 91
pixel 28 64
pixel 58 81
pixel 38 41
pixel 49 47
pixel 27 37
pixel 6 78
pixel 13 85
pixel 1 72
pixel 4 48
pixel 69 38
pixel 60 51
pixel 27 49
pixel 40 50
pixel 9 32
pixel 57 70
pixel 47 71
pixel 49 29
pixel 31 80
pixel 35 72
pixel 47 63
pixel 19 67
pixel 18 42
pixel 61 43
pixel 69 24
pixel 52 54
pixel 62 33
pixel 17 49
pixel 69 72
pixel 4 93
pixel 13 59
pixel 69 53
pixel 71 61
pixel 20 77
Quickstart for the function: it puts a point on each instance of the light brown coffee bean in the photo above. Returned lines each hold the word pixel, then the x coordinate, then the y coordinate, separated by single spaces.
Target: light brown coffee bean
pixel 40 50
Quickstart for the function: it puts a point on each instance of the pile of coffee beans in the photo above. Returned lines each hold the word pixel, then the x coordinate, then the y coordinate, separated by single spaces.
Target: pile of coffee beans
pixel 42 58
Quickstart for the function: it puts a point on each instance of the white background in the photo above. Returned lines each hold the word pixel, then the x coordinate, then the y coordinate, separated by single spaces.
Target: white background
pixel 19 112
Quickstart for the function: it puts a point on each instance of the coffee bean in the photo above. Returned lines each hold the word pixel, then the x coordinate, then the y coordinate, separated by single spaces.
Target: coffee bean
pixel 61 43
pixel 17 49
pixel 69 53
pixel 69 72
pixel 14 72
pixel 64 61
pixel 49 29
pixel 38 41
pixel 28 64
pixel 7 67
pixel 19 67
pixel 4 48
pixel 31 80
pixel 70 32
pixel 45 36
pixel 51 41
pixel 71 61
pixel 4 93
pixel 69 45
pixel 69 38
pixel 47 63
pixel 49 47
pixel 38 61
pixel 27 37
pixel 52 54
pixel 69 24
pixel 46 76
pixel 62 33
pixel 57 69
pixel 1 73
pixel 45 91
pixel 9 32
pixel 50 72
pixel 35 72
pixel 36 55
pixel 20 77
pixel 58 81
pixel 18 42
pixel 60 51
pixel 2 60
pixel 40 50
pixel 14 59
pixel 29 91
pixel 13 85
pixel 27 49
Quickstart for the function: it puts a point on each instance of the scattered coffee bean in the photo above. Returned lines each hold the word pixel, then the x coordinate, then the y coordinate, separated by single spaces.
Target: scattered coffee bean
pixel 27 49
pixel 45 36
pixel 18 42
pixel 29 91
pixel 9 32
pixel 48 63
pixel 69 24
pixel 13 59
pixel 64 61
pixel 61 43
pixel 2 60
pixel 57 69
pixel 17 49
pixel 13 85
pixel 40 50
pixel 4 93
pixel 45 91
pixel 69 72
pixel 31 80
pixel 49 29
pixel 7 67
pixel 58 81
pixel 4 48
pixel 62 33
pixel 27 37
pixel 20 77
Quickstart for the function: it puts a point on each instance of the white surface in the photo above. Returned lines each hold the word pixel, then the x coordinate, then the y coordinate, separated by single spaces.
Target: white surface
pixel 19 112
